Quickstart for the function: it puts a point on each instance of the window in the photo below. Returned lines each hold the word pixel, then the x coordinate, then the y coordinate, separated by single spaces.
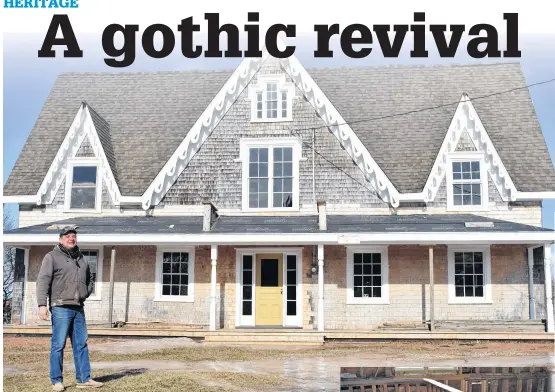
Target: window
pixel 367 275
pixel 83 190
pixel 467 186
pixel 270 173
pixel 175 275
pixel 94 260
pixel 469 275
pixel 271 99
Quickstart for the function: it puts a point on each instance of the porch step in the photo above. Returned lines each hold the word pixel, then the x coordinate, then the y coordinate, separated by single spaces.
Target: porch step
pixel 264 338
pixel 491 325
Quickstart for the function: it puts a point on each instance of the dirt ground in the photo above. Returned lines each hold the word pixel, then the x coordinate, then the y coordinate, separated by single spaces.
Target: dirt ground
pixel 182 364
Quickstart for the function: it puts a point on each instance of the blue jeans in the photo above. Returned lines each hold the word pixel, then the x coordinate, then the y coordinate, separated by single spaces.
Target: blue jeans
pixel 69 321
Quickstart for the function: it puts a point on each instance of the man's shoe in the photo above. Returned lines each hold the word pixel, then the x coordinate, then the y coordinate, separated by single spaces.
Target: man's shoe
pixel 90 384
pixel 58 387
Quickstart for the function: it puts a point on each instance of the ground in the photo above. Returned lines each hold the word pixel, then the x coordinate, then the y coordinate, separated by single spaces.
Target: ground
pixel 180 364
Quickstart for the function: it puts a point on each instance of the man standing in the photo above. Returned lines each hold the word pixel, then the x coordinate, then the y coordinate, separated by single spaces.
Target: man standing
pixel 66 280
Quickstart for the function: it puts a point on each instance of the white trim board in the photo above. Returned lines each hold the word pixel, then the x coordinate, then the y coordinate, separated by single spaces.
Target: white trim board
pixel 81 128
pixel 484 238
pixel 466 119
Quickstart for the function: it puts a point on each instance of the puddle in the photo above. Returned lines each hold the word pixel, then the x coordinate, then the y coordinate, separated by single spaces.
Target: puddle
pixel 321 374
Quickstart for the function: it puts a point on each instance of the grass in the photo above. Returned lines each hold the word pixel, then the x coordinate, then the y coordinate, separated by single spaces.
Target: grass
pixel 31 355
pixel 158 381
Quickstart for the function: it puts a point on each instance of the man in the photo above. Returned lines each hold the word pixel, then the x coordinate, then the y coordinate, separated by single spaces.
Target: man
pixel 66 280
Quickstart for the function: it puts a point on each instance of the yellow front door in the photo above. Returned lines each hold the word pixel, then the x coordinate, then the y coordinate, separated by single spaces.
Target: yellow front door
pixel 269 290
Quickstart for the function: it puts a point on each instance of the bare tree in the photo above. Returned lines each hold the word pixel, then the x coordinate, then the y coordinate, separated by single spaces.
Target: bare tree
pixel 9 269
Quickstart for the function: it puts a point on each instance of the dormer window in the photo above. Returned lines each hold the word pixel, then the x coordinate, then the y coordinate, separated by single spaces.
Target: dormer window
pixel 270 174
pixel 83 190
pixel 467 182
pixel 271 99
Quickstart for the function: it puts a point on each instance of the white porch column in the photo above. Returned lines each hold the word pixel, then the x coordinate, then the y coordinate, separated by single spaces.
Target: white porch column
pixel 532 303
pixel 214 258
pixel 548 288
pixel 320 287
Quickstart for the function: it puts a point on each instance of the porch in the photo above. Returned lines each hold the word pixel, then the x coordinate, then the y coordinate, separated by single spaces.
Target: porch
pixel 295 336
pixel 344 277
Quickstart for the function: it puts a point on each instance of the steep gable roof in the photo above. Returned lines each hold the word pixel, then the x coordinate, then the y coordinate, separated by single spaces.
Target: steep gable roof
pixel 406 146
pixel 146 115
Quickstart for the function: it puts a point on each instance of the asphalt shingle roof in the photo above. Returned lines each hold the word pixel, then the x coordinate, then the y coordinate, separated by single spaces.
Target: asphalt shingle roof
pixel 143 117
pixel 282 224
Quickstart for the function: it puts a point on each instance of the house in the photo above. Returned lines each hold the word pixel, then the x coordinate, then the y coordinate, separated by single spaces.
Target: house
pixel 272 195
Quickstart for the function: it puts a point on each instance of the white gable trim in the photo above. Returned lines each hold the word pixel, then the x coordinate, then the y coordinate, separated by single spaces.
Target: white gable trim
pixel 342 131
pixel 224 100
pixel 81 127
pixel 466 118
pixel 202 128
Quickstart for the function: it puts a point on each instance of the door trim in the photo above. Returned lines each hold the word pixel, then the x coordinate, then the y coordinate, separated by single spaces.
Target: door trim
pixel 249 321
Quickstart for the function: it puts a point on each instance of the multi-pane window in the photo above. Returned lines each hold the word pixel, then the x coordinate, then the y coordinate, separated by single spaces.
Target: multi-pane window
pixel 247 285
pixel 258 178
pixel 467 183
pixel 291 285
pixel 283 177
pixel 284 104
pixel 367 275
pixel 271 102
pixel 271 177
pixel 469 274
pixel 259 109
pixel 91 257
pixel 83 187
pixel 175 274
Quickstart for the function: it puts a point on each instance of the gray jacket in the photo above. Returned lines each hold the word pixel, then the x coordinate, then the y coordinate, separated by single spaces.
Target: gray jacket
pixel 64 280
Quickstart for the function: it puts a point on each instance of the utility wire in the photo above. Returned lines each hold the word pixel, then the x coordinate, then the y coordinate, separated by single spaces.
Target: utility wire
pixel 294 132
pixel 431 107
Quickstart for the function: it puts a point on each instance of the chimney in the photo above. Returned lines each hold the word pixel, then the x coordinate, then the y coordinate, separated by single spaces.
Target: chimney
pixel 322 218
pixel 210 216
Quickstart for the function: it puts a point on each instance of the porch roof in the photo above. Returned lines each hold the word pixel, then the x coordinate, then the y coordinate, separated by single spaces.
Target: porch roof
pixel 455 228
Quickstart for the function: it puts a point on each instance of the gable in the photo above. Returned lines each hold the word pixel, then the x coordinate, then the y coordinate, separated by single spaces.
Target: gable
pixel 467 128
pixel 405 146
pixel 214 173
pixel 146 115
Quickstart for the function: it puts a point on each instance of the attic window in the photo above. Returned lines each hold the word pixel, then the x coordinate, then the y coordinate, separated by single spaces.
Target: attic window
pixel 271 100
pixel 467 182
pixel 83 190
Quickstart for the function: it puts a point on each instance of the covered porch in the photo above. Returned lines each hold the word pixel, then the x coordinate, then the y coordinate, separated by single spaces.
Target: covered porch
pixel 331 277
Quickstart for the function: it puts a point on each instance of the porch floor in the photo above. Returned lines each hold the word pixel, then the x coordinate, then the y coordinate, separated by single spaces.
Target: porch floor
pixel 289 336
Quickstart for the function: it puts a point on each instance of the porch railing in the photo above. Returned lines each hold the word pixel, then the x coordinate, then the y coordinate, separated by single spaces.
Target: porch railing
pixel 397 385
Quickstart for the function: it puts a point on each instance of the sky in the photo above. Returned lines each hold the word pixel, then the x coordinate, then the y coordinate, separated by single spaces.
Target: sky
pixel 28 79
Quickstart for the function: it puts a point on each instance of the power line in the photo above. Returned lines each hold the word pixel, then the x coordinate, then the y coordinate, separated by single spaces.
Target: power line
pixel 294 132
pixel 431 107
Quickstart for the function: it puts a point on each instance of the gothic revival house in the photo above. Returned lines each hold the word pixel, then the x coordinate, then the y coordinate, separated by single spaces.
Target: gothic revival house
pixel 273 195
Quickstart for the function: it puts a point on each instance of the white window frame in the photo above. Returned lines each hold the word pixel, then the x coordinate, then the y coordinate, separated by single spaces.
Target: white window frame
pixel 76 162
pixel 484 180
pixel 99 261
pixel 270 143
pixel 452 299
pixel 261 87
pixel 384 299
pixel 190 297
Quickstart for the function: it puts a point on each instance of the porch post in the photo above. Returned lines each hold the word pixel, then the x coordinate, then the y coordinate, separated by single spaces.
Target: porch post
pixel 320 287
pixel 431 262
pixel 532 303
pixel 214 258
pixel 548 288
